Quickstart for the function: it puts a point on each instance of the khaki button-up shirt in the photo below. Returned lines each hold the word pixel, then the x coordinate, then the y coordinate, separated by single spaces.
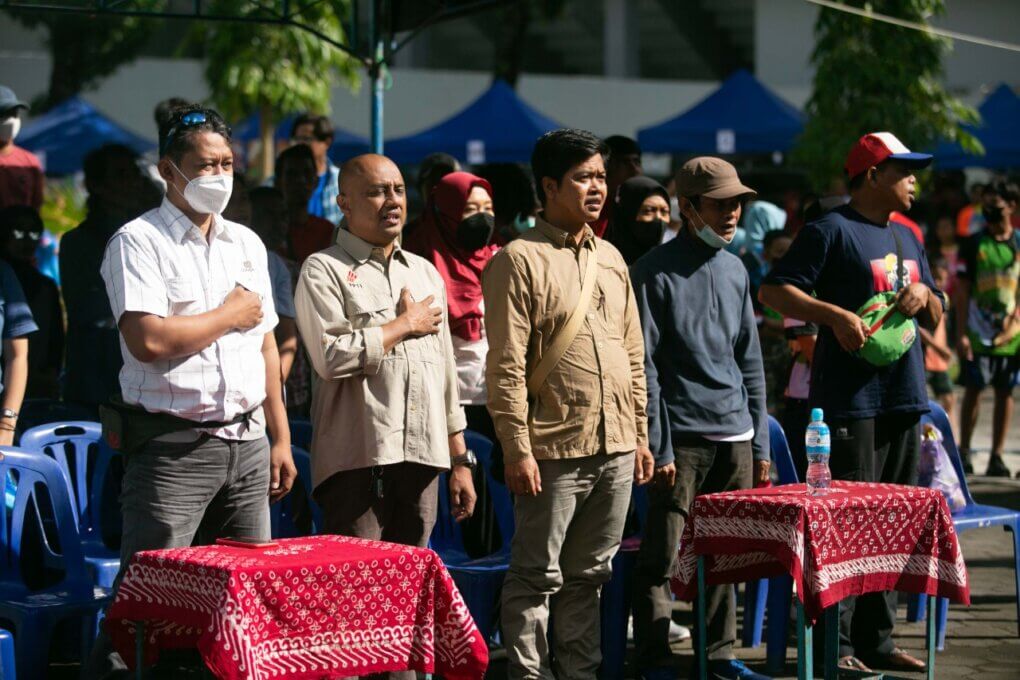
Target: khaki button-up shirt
pixel 594 399
pixel 374 407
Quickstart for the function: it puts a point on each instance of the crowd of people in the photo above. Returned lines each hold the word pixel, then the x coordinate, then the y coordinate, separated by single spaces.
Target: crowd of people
pixel 600 328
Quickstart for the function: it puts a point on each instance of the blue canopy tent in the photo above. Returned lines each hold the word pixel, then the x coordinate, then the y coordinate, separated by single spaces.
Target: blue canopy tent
pixel 999 132
pixel 345 144
pixel 498 127
pixel 65 134
pixel 742 116
pixel 248 129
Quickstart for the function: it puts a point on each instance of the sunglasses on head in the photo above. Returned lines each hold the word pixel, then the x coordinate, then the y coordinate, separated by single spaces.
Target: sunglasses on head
pixel 187 121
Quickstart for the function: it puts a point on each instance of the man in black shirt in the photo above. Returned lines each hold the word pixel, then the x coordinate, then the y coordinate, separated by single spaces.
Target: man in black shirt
pixel 846 257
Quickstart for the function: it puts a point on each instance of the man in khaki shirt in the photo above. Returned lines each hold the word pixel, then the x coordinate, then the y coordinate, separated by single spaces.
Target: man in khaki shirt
pixel 572 451
pixel 386 415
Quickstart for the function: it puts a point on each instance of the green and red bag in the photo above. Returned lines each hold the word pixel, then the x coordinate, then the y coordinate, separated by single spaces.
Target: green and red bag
pixel 890 333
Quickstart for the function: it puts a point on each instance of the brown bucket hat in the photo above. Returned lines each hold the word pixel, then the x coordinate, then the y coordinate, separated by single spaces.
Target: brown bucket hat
pixel 711 177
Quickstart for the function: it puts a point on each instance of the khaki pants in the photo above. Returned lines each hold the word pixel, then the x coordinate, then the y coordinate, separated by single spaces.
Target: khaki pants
pixel 562 548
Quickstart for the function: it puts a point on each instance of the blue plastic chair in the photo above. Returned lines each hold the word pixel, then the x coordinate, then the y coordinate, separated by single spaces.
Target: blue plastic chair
pixel 34 412
pixel 7 668
pixel 971 516
pixel 757 593
pixel 282 514
pixel 616 600
pixel 479 580
pixel 84 458
pixel 33 614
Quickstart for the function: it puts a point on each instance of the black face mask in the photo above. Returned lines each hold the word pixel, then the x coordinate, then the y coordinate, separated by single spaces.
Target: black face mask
pixel 475 231
pixel 993 214
pixel 648 234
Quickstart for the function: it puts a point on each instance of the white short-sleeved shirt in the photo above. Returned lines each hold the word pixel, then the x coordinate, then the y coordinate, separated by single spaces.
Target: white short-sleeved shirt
pixel 161 264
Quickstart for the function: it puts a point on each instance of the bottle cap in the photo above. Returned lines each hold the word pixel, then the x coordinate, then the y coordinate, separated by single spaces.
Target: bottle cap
pixel 816 415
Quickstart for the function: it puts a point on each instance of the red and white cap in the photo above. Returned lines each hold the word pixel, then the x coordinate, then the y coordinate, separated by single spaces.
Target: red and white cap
pixel 875 147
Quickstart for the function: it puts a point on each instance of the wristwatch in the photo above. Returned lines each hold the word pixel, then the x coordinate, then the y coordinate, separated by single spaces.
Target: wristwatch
pixel 8 413
pixel 467 459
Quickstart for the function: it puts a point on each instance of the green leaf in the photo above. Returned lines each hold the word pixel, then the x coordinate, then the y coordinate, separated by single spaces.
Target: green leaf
pixel 871 76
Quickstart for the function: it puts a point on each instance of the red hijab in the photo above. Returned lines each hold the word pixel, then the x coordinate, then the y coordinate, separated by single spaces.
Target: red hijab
pixel 435 240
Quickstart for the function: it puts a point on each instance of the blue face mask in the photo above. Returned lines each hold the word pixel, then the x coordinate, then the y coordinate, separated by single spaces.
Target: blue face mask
pixel 523 222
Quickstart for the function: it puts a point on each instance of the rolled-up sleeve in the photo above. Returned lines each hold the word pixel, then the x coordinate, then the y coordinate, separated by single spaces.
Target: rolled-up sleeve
pixel 508 326
pixel 336 349
pixel 17 315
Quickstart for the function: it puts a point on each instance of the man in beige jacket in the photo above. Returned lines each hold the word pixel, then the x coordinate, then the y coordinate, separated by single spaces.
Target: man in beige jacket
pixel 386 415
pixel 573 446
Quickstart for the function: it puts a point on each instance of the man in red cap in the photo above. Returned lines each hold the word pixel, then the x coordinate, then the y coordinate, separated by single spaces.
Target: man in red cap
pixel 845 258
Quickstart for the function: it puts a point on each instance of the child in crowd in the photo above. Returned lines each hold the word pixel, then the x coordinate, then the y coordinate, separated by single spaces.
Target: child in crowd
pixel 937 353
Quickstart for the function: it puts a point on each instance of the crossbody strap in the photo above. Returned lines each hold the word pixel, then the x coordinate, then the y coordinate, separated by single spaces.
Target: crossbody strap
pixel 901 267
pixel 569 331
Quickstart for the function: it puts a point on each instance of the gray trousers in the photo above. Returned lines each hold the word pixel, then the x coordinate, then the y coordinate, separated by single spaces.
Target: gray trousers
pixel 702 466
pixel 562 548
pixel 176 495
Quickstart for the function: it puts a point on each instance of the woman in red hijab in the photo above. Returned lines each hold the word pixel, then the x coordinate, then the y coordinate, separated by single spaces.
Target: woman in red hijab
pixel 455 235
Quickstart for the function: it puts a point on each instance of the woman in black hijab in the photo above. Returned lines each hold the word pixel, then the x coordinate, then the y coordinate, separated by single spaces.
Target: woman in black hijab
pixel 641 214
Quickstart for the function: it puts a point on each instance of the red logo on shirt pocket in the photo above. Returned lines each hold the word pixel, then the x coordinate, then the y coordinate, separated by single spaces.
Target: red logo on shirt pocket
pixel 351 276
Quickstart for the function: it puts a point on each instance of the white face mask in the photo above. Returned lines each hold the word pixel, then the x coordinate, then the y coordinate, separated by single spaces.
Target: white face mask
pixel 709 235
pixel 207 194
pixel 9 129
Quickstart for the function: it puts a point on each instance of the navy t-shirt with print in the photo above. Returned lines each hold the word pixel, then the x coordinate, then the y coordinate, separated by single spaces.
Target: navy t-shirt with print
pixel 846 259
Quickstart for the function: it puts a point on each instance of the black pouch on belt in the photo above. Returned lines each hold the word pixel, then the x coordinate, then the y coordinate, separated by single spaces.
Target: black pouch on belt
pixel 127 427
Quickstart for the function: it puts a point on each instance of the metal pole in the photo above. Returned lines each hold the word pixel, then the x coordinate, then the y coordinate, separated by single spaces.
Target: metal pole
pixel 375 70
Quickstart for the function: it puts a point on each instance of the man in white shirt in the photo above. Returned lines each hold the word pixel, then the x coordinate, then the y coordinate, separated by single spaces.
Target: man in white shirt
pixel 192 298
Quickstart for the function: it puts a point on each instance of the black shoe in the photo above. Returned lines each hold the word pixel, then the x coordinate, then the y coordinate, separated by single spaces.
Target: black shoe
pixel 997 467
pixel 968 467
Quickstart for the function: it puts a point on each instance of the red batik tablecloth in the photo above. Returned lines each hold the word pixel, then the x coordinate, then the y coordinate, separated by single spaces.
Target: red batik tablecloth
pixel 860 538
pixel 316 607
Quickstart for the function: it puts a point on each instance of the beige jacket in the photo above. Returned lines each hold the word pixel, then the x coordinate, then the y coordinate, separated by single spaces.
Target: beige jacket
pixel 374 408
pixel 594 399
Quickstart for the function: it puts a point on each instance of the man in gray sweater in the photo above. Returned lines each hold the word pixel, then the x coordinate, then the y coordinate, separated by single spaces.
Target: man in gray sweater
pixel 707 423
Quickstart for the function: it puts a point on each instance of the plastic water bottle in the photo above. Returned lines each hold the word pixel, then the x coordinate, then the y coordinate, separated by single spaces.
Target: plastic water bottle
pixel 818 444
